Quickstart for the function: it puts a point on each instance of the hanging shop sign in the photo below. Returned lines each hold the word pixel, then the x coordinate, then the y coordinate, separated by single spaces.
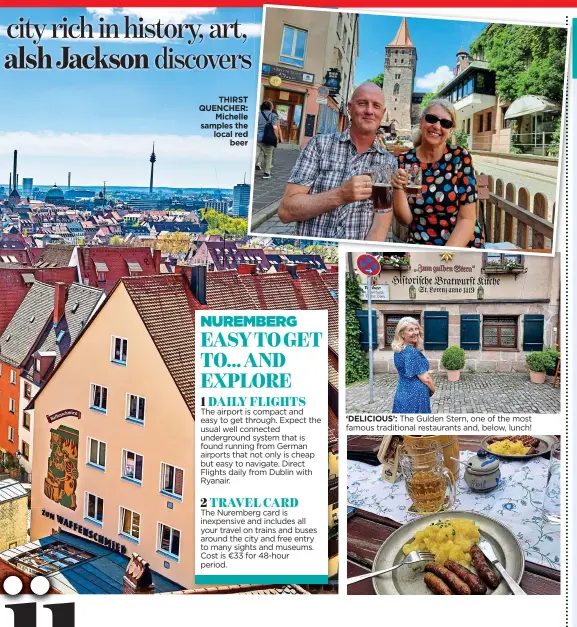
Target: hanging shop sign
pixel 287 74
pixel 333 81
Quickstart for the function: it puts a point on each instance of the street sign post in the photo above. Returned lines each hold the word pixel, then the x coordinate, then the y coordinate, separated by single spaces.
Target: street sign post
pixel 370 267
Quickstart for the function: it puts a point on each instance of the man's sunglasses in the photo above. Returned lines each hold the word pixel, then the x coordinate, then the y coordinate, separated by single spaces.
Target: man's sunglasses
pixel 433 119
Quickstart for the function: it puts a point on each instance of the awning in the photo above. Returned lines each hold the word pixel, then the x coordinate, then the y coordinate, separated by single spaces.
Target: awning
pixel 531 104
pixel 100 266
pixel 134 266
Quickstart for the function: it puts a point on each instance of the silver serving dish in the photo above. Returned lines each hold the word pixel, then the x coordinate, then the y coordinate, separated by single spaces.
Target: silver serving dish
pixel 546 443
pixel 407 580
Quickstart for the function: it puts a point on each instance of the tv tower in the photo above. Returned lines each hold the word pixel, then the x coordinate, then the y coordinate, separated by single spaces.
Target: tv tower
pixel 152 161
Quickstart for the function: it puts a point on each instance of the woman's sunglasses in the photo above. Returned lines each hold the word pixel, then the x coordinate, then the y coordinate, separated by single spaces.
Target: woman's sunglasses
pixel 433 119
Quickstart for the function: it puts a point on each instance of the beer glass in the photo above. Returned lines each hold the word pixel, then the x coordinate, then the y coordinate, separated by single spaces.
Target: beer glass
pixel 382 193
pixel 413 187
pixel 429 483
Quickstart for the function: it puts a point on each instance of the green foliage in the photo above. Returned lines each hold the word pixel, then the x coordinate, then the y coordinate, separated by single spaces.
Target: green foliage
pixel 453 358
pixel 377 80
pixel 357 365
pixel 555 143
pixel 461 138
pixel 221 224
pixel 10 461
pixel 525 59
pixel 430 96
pixel 540 361
pixel 328 253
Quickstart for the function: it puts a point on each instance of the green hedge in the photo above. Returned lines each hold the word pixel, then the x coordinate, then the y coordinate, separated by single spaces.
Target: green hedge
pixel 357 365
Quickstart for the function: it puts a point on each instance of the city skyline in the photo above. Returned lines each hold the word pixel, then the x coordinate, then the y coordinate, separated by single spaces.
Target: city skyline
pixel 102 124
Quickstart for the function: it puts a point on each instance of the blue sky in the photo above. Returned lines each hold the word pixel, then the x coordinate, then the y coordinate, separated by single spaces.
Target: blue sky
pixel 100 124
pixel 437 43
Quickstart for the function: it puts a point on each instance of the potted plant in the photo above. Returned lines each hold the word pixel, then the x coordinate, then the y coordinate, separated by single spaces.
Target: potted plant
pixel 453 360
pixel 402 261
pixel 537 362
pixel 553 355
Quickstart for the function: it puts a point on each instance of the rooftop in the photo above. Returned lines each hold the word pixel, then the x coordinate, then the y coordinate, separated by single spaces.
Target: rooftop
pixel 402 38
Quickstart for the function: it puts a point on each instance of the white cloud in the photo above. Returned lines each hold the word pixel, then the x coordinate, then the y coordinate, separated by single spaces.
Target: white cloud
pixel 174 147
pixel 433 80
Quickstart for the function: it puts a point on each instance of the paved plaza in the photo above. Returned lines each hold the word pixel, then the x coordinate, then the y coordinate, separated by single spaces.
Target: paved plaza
pixel 268 192
pixel 506 393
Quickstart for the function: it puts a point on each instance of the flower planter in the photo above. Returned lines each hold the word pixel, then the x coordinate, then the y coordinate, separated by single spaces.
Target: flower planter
pixel 453 375
pixel 536 377
pixel 390 266
pixel 498 270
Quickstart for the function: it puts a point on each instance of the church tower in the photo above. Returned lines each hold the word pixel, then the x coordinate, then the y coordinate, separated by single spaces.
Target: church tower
pixel 398 80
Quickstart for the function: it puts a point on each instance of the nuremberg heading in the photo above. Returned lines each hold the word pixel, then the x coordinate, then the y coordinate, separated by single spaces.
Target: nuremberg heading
pixel 34 56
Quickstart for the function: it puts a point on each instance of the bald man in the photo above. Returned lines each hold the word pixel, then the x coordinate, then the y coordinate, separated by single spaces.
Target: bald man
pixel 328 193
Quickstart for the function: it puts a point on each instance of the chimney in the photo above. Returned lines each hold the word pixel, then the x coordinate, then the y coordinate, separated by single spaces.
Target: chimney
pixel 292 270
pixel 15 168
pixel 59 302
pixel 137 577
pixel 247 268
pixel 198 283
pixel 156 256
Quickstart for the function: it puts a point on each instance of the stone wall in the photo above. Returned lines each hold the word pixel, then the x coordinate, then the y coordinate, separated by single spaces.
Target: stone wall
pixel 400 66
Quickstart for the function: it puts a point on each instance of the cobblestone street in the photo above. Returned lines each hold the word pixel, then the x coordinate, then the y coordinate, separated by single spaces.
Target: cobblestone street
pixel 268 192
pixel 508 393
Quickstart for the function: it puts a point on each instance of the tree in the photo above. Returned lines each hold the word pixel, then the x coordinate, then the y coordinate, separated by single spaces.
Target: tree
pixel 357 365
pixel 116 240
pixel 328 253
pixel 377 80
pixel 431 96
pixel 174 243
pixel 525 59
pixel 221 224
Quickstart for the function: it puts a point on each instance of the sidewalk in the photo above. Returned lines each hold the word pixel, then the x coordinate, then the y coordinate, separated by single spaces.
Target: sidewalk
pixel 267 194
pixel 495 392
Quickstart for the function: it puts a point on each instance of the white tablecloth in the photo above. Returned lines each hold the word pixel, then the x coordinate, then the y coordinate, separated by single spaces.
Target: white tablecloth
pixel 516 503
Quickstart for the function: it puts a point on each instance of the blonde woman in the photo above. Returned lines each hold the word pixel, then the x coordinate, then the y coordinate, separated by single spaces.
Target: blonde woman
pixel 415 385
pixel 445 212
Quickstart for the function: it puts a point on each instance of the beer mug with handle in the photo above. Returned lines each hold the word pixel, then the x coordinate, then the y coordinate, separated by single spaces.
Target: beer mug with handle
pixel 430 485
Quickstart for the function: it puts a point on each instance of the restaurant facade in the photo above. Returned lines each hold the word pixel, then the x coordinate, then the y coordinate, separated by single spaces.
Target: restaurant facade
pixel 497 306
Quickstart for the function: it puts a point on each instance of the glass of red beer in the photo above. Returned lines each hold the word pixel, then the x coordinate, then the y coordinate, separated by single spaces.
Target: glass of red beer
pixel 382 193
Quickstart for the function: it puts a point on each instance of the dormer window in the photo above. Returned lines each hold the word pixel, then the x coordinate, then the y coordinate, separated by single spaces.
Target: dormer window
pixel 37 365
pixel 101 270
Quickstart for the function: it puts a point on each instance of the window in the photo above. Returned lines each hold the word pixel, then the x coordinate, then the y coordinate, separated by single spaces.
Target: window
pixel 97 453
pixel 10 434
pixel 94 508
pixel 27 391
pixel 168 540
pixel 25 450
pixel 26 420
pixel 129 524
pixel 396 89
pixel 98 397
pixel 131 466
pixel 294 42
pixel 119 350
pixel 171 480
pixel 502 259
pixel 339 24
pixel 499 332
pixel 12 406
pixel 481 123
pixel 391 321
pixel 37 365
pixel 489 121
pixel 468 126
pixel 135 409
pixel 101 277
pixel 13 377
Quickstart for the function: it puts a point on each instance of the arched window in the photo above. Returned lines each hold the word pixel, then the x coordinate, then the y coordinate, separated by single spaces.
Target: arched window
pixel 396 89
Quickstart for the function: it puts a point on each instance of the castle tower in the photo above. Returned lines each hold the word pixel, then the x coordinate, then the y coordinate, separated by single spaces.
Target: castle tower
pixel 152 162
pixel 398 80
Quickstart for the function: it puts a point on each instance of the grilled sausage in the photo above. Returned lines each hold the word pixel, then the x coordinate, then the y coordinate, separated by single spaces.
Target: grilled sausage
pixel 474 582
pixel 457 585
pixel 438 586
pixel 481 566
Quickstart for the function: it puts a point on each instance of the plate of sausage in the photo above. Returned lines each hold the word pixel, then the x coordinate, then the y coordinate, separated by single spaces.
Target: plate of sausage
pixel 449 577
pixel 536 444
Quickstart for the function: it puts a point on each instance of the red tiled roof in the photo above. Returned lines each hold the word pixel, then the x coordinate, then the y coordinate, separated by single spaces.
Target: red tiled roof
pixel 116 259
pixel 13 289
pixel 331 280
pixel 7 570
pixel 166 306
pixel 225 291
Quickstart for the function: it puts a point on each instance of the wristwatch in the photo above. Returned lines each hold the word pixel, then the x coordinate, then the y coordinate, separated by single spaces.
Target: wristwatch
pixel 383 210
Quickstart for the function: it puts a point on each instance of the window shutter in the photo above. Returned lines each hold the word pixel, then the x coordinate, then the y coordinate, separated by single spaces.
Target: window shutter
pixel 436 330
pixel 533 332
pixel 470 332
pixel 178 478
pixel 363 318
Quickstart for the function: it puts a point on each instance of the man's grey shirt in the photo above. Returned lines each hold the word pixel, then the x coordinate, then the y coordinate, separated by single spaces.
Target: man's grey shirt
pixel 327 162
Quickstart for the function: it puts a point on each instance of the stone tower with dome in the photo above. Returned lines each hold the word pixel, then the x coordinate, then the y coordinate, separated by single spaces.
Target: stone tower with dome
pixel 398 81
pixel 54 196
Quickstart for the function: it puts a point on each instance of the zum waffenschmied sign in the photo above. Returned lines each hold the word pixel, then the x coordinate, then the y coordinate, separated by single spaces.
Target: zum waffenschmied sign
pixel 64 413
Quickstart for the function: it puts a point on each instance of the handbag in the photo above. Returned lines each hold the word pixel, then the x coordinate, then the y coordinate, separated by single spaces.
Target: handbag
pixel 268 135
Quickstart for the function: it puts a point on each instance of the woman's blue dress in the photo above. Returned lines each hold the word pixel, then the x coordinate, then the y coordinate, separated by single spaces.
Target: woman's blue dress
pixel 412 396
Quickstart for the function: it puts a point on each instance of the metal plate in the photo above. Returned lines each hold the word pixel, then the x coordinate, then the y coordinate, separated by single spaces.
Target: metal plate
pixel 546 443
pixel 409 580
